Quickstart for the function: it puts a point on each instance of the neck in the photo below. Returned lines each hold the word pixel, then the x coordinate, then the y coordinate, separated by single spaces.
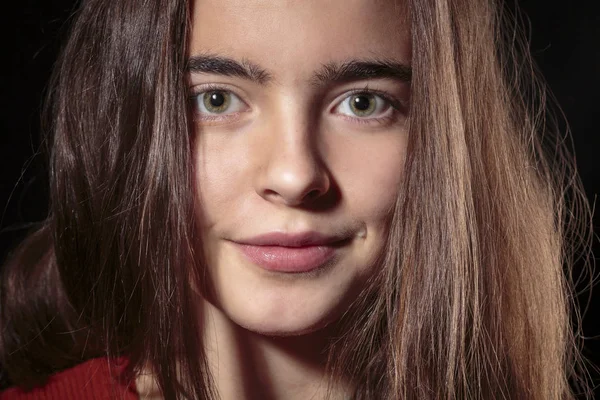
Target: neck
pixel 247 365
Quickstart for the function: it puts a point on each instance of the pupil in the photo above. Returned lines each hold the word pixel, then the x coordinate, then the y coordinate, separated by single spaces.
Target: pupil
pixel 362 103
pixel 217 99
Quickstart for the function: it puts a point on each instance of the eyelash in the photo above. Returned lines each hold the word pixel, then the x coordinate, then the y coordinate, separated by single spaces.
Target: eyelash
pixel 211 87
pixel 394 103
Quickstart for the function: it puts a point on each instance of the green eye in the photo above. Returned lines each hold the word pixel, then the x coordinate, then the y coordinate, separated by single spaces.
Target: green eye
pixel 216 101
pixel 362 104
pixel 366 106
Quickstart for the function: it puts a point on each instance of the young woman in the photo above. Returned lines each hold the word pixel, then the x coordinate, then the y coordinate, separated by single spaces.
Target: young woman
pixel 294 200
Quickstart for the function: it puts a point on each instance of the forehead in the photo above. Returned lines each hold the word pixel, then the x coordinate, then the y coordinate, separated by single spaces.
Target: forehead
pixel 293 37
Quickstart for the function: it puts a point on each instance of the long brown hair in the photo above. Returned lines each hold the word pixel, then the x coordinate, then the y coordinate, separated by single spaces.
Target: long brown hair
pixel 471 301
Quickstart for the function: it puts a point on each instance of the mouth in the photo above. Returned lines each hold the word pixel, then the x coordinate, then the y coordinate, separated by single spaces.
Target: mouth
pixel 292 253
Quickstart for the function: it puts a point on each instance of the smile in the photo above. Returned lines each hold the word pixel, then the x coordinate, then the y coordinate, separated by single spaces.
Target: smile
pixel 291 253
pixel 289 259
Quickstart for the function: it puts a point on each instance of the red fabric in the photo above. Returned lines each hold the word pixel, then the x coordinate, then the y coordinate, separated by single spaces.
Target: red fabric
pixel 96 379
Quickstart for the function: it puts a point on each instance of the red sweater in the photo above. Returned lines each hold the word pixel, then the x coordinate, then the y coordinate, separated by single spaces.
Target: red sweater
pixel 91 380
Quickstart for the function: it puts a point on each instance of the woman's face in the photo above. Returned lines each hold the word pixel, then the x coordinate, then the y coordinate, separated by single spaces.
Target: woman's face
pixel 300 145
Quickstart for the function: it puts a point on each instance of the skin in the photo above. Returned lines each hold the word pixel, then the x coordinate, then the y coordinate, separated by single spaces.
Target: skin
pixel 290 157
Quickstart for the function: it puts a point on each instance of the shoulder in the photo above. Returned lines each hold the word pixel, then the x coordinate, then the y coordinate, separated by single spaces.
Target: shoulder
pixel 94 379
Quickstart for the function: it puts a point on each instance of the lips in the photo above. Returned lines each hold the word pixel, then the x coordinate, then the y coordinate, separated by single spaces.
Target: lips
pixel 291 253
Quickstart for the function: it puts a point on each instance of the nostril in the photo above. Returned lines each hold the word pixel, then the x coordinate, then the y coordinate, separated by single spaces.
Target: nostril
pixel 313 194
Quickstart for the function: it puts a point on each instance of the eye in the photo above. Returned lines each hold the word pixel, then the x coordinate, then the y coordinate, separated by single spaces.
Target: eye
pixel 217 102
pixel 364 105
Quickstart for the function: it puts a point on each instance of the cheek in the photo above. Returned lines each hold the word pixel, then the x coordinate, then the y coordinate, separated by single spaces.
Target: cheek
pixel 219 176
pixel 366 167
pixel 369 173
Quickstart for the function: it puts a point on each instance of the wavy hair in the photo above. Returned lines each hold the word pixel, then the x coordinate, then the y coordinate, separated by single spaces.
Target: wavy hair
pixel 472 300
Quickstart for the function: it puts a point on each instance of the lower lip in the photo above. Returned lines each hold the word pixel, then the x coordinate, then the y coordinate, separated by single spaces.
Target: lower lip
pixel 288 259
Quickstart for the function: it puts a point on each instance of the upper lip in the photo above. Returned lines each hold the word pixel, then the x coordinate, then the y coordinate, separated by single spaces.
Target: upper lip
pixel 299 239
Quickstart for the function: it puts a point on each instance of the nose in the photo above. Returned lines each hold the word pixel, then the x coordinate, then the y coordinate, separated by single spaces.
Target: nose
pixel 293 173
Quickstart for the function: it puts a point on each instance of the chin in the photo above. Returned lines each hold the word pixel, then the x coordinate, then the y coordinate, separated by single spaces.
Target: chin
pixel 284 304
pixel 283 329
pixel 287 307
pixel 287 313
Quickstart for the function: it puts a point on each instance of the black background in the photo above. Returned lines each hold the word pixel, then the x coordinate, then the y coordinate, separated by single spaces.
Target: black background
pixel 565 42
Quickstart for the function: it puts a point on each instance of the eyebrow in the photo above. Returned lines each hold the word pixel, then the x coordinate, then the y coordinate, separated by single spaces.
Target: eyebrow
pixel 213 64
pixel 354 70
pixel 334 72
